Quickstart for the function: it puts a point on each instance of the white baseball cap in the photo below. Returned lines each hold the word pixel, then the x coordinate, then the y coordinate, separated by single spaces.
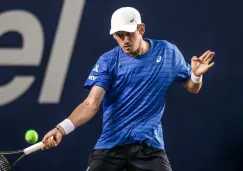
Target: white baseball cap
pixel 125 19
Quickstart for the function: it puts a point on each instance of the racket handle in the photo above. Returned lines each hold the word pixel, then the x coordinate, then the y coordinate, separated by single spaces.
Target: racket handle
pixel 33 148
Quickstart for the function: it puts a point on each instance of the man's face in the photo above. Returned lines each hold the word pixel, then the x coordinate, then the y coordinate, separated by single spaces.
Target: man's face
pixel 128 41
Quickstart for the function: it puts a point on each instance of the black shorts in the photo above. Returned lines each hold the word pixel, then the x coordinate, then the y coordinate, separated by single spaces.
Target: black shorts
pixel 132 157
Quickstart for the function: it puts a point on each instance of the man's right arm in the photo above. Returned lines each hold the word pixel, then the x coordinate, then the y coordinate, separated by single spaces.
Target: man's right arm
pixel 80 115
pixel 86 110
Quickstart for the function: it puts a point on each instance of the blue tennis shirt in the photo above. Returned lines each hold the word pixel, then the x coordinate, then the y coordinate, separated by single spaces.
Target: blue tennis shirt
pixel 136 89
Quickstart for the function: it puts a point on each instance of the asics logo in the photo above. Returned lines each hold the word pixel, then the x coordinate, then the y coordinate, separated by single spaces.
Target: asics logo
pixel 158 59
pixel 96 69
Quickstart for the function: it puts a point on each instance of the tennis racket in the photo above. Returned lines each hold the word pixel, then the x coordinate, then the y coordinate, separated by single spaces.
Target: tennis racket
pixel 4 164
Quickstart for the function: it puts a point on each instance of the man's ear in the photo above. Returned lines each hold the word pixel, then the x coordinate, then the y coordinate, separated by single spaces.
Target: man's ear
pixel 141 29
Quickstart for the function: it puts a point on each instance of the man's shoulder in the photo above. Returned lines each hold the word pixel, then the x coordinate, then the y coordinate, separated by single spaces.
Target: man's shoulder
pixel 110 57
pixel 163 44
pixel 111 54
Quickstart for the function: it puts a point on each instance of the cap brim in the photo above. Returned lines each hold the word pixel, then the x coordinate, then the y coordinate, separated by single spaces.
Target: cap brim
pixel 127 28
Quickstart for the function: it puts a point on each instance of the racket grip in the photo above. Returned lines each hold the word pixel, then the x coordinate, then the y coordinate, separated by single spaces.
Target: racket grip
pixel 33 148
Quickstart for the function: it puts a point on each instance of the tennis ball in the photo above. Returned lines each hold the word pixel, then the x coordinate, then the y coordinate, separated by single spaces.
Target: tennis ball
pixel 31 136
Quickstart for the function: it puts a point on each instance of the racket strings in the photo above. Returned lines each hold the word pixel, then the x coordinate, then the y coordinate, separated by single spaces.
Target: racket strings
pixel 4 165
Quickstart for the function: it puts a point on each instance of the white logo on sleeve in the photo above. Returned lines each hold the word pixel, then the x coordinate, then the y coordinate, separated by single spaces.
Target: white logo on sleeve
pixel 91 77
pixel 96 68
pixel 158 59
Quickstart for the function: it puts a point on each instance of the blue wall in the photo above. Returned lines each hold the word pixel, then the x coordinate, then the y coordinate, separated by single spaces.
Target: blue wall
pixel 203 132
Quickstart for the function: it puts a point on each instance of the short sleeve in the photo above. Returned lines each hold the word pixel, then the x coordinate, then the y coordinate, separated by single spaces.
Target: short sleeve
pixel 99 75
pixel 181 69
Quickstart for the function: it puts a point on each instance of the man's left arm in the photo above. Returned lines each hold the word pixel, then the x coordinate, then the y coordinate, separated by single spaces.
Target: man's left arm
pixel 199 65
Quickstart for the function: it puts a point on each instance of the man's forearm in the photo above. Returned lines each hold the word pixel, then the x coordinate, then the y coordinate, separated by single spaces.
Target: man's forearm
pixel 192 87
pixel 83 113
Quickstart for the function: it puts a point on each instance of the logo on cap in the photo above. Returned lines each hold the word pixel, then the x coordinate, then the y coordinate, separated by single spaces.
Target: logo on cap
pixel 132 20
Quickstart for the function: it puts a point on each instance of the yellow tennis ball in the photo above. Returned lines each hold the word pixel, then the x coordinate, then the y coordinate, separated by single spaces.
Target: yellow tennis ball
pixel 31 136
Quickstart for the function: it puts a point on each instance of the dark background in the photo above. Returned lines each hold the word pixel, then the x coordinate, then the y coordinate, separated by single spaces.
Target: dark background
pixel 203 132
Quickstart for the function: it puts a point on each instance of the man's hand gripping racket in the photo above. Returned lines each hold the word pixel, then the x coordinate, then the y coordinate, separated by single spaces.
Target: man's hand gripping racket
pixel 52 139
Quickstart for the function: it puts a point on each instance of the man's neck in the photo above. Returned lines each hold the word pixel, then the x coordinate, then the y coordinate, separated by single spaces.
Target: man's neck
pixel 143 48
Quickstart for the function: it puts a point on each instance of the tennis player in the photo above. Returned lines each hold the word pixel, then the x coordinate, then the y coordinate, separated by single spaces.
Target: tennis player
pixel 131 81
